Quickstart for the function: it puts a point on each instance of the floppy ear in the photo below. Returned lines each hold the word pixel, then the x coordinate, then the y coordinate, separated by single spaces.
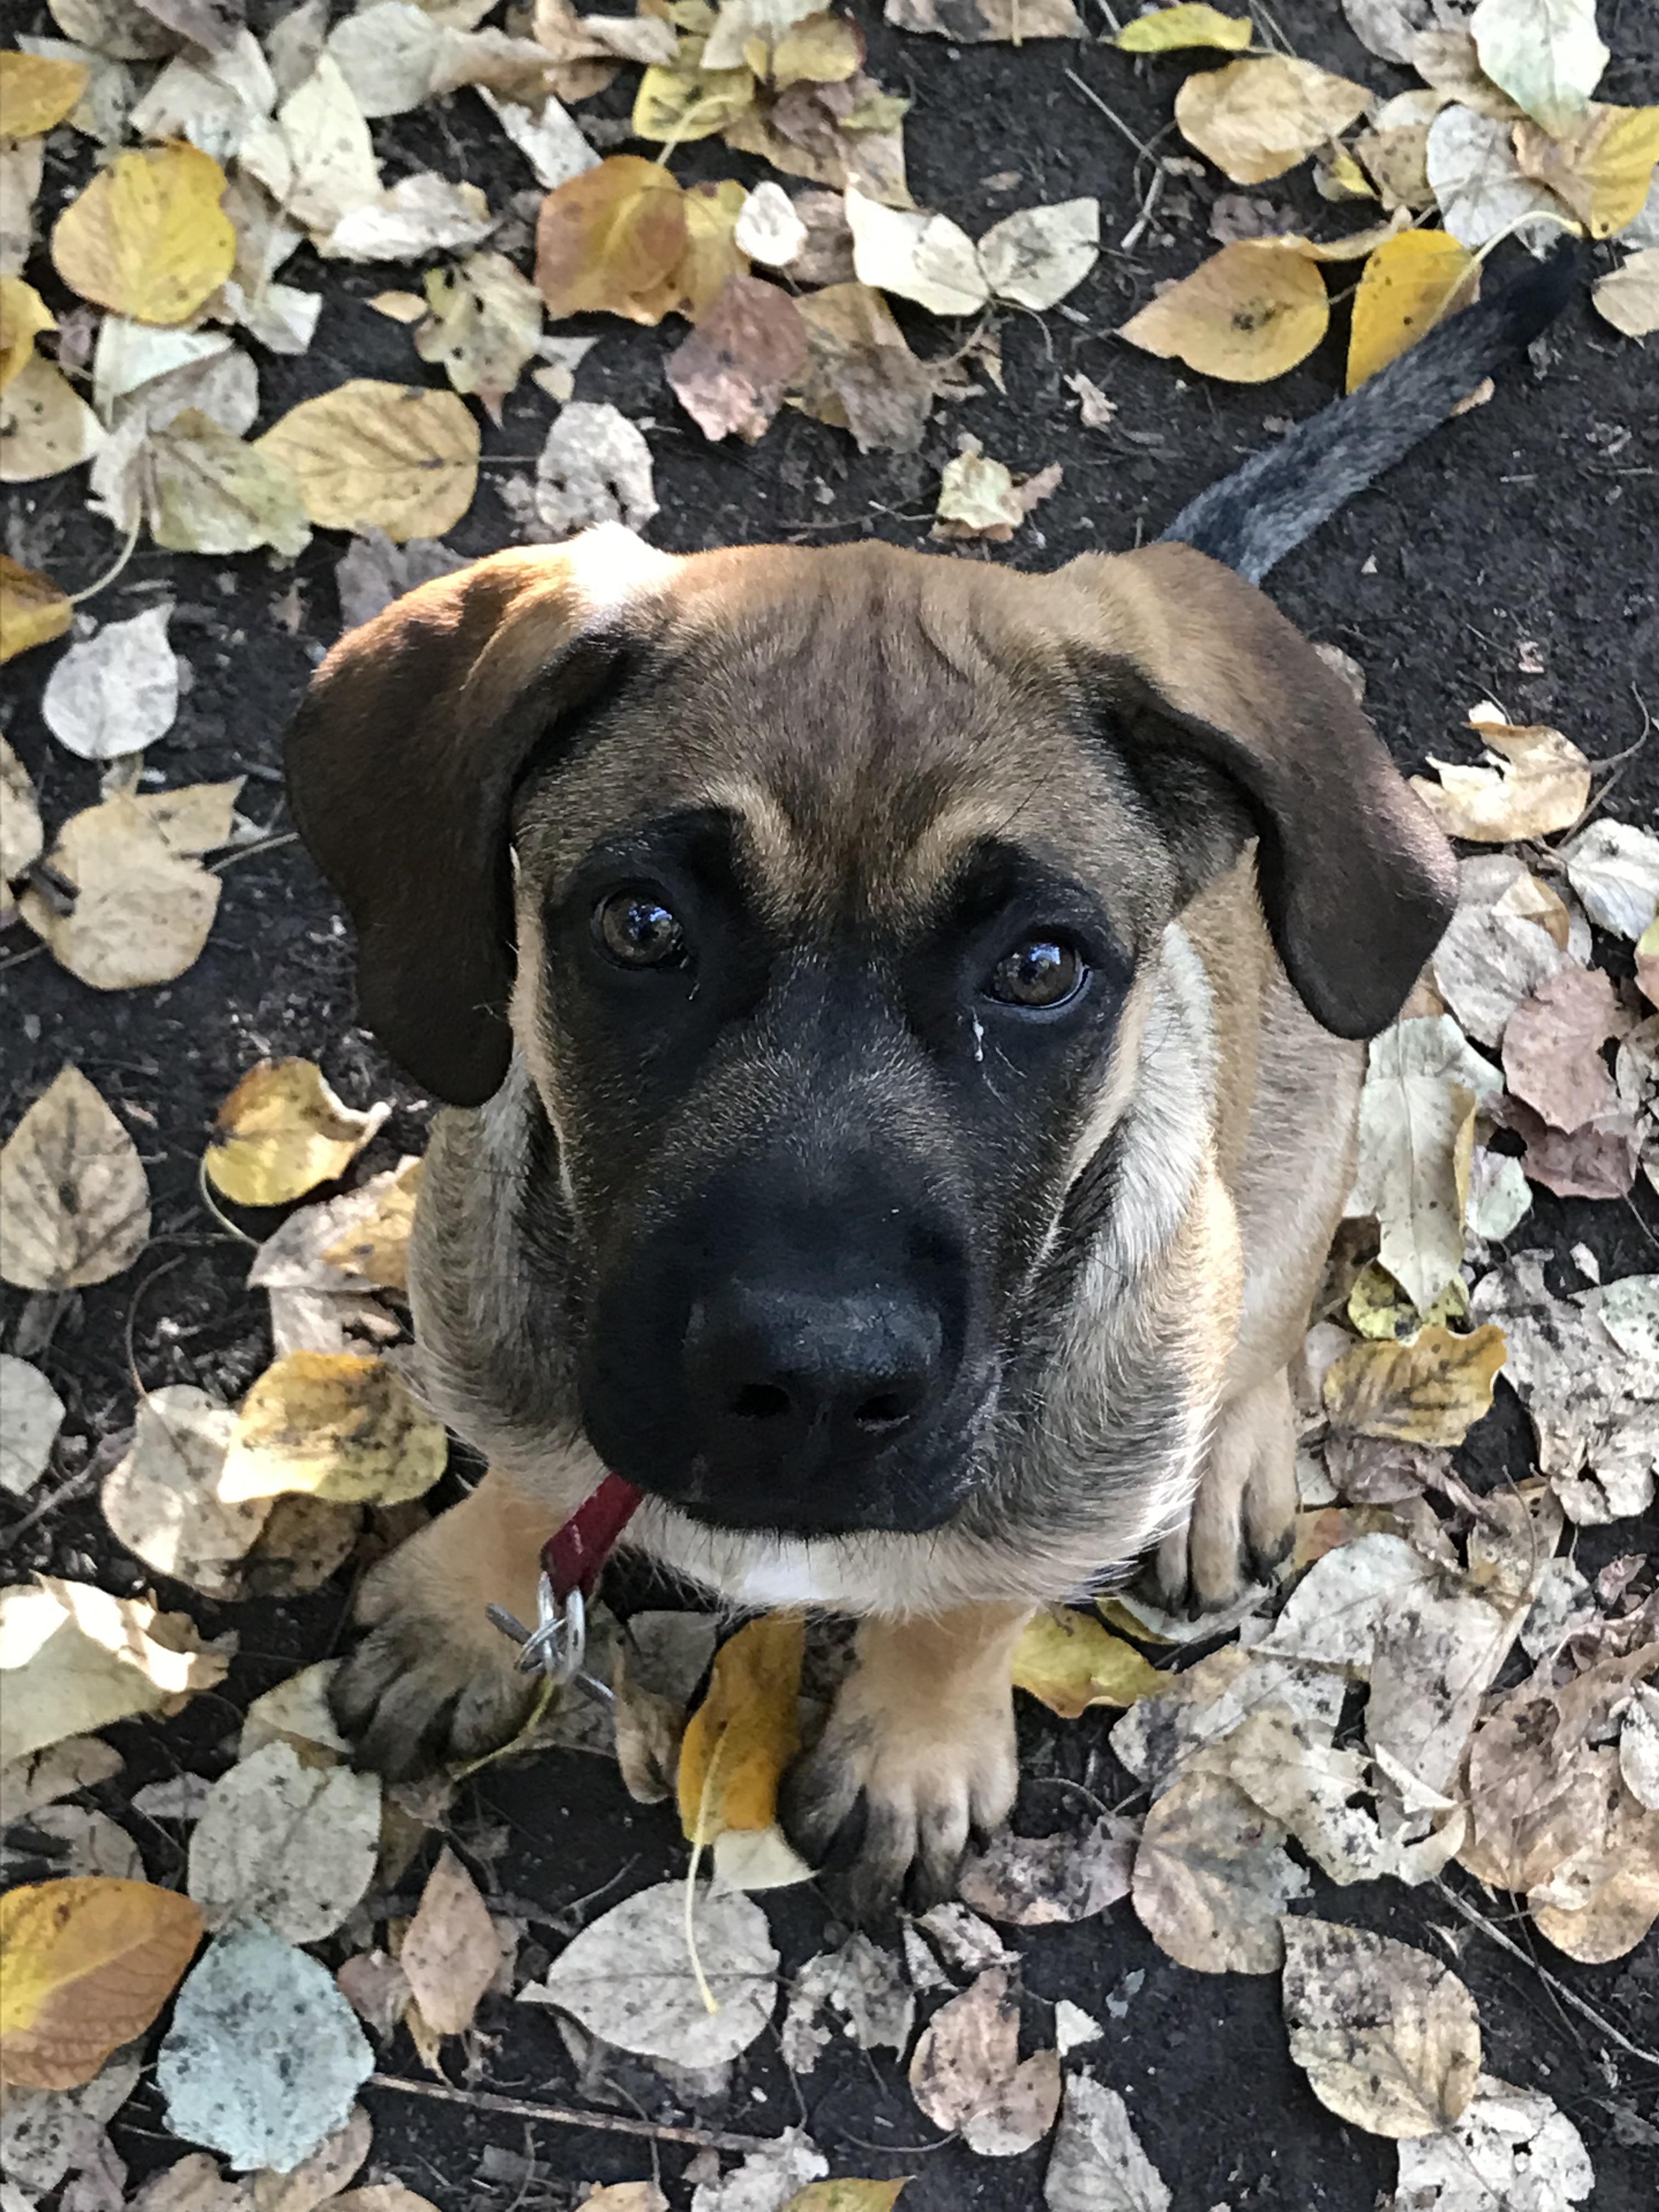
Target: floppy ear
pixel 402 764
pixel 1199 670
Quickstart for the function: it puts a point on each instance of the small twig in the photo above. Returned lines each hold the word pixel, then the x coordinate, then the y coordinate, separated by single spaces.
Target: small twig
pixel 1112 117
pixel 1137 229
pixel 102 583
pixel 573 2116
pixel 252 852
pixel 1559 1988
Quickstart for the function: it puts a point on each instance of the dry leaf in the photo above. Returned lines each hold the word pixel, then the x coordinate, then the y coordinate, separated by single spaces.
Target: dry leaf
pixel 925 257
pixel 32 612
pixel 1255 119
pixel 1615 870
pixel 1040 1881
pixel 1212 1877
pixel 335 1426
pixel 1034 258
pixel 117 692
pixel 976 22
pixel 1509 2148
pixel 548 137
pixel 676 106
pixel 484 324
pixel 46 427
pixel 76 1659
pixel 374 456
pixel 967 2076
pixel 1410 283
pixel 743 1735
pixel 289 1845
pixel 282 1132
pixel 162 1499
pixel 860 1982
pixel 1159 1737
pixel 451 1952
pixel 36 92
pixel 977 498
pixel 731 374
pixel 1246 314
pixel 89 1963
pixel 264 2059
pixel 1477 185
pixel 1600 1899
pixel 629 1978
pixel 1552 1046
pixel 612 241
pixel 1540 784
pixel 22 839
pixel 712 253
pixel 318 161
pixel 1097 2164
pixel 212 493
pixel 34 1414
pixel 74 1203
pixel 319 2179
pixel 1431 1391
pixel 1171 30
pixel 1508 935
pixel 742 26
pixel 861 375
pixel 1388 2038
pixel 148 237
pixel 373 1245
pixel 1602 171
pixel 23 315
pixel 1545 54
pixel 1071 1660
pixel 1438 1648
pixel 768 228
pixel 1629 299
pixel 847 2195
pixel 595 467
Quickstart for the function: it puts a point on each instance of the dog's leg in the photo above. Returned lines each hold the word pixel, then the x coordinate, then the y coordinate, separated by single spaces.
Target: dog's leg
pixel 433 1680
pixel 1243 1517
pixel 921 1741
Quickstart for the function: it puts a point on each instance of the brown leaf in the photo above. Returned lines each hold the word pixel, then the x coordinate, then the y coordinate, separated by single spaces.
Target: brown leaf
pixel 33 610
pixel 1390 2038
pixel 731 374
pixel 967 2076
pixel 450 1954
pixel 74 1201
pixel 1212 1876
pixel 1552 1046
pixel 89 1963
pixel 1431 1391
pixel 611 241
pixel 861 375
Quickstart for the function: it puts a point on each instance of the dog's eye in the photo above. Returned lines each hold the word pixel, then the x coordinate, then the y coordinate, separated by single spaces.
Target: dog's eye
pixel 1043 972
pixel 637 931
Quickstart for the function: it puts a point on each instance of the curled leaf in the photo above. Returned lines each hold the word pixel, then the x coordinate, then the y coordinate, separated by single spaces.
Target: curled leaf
pixel 1169 30
pixel 336 1426
pixel 283 1131
pixel 1070 1661
pixel 1255 119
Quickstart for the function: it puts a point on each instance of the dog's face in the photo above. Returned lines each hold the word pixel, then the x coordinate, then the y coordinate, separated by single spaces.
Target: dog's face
pixel 836 884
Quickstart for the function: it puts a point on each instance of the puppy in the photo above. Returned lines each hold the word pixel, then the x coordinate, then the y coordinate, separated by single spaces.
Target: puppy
pixel 903 1027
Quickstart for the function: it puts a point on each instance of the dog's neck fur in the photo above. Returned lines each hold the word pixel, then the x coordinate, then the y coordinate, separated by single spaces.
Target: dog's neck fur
pixel 1093 1441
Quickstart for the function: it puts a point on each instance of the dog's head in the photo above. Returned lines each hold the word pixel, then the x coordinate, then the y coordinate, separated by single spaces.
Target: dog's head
pixel 820 891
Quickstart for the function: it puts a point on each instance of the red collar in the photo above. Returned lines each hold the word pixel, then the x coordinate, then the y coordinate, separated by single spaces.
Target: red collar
pixel 574 1555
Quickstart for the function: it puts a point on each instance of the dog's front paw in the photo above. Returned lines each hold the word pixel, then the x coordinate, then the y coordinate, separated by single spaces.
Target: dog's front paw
pixel 1243 1523
pixel 917 1756
pixel 434 1682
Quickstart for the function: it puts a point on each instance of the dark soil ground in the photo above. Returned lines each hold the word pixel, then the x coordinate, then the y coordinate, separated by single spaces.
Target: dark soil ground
pixel 1513 557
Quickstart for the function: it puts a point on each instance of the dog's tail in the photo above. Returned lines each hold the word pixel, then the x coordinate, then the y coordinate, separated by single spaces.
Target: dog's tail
pixel 1251 519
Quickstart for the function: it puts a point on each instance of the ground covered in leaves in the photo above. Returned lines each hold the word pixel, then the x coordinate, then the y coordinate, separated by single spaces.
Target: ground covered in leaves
pixel 1291 1902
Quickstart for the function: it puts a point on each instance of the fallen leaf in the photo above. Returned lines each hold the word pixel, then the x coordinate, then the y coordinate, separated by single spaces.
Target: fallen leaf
pixel 1334 1616
pixel 1500 1196
pixel 296 1712
pixel 282 1132
pixel 1246 314
pixel 1509 933
pixel 1097 2163
pixel 318 161
pixel 1211 1878
pixel 1388 28
pixel 1509 2148
pixel 821 49
pixel 743 26
pixel 731 374
pixel 23 163
pixel 677 105
pixel 484 324
pixel 23 315
pixel 757 1858
pixel 743 1735
pixel 861 375
pixel 32 612
pixel 289 1845
pixel 712 254
pixel 977 498
pixel 1035 258
pixel 1601 1898
pixel 860 1982
pixel 967 2076
pixel 34 1413
pixel 89 1963
pixel 1410 283
pixel 373 572
pixel 117 692
pixel 336 1426
pixel 925 257
pixel 1629 298
pixel 548 136
pixel 1159 1737
pixel 610 241
pixel 1169 30
pixel 976 23
pixel 78 1659
pixel 74 1203
pixel 1614 868
pixel 37 91
pixel 1255 119
pixel 213 493
pixel 1545 54
pixel 1388 2037
pixel 46 427
pixel 1541 784
pixel 1602 171
pixel 768 228
pixel 1477 182
pixel 375 455
pixel 1438 1650
pixel 1069 1661
pixel 1043 1881
pixel 264 2059
pixel 1552 1046
pixel 629 1978
pixel 1431 1391
pixel 372 1245
pixel 160 1500
pixel 451 1952
pixel 765 2178
pixel 318 2179
pixel 594 468
pixel 1638 1747
pixel 965 1942
pixel 626 2197
pixel 148 237
pixel 846 2196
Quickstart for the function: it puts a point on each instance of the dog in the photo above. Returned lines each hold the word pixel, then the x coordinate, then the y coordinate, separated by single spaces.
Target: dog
pixel 903 1023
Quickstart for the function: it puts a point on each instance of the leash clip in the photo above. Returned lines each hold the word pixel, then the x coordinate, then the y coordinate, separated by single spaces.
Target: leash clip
pixel 571 1560
pixel 557 1645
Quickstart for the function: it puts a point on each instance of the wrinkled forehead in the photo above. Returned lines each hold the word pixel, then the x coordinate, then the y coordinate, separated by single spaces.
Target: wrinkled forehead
pixel 864 734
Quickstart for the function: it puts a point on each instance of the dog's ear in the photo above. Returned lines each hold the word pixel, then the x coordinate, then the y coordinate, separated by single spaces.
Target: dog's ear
pixel 402 764
pixel 1205 683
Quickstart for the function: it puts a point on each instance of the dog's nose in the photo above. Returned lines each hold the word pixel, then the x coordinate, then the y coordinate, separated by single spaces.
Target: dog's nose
pixel 790 1383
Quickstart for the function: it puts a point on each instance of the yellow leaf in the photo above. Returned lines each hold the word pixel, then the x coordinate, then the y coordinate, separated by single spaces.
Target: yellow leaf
pixel 1431 1391
pixel 847 2196
pixel 1603 170
pixel 1170 28
pixel 143 907
pixel 282 1132
pixel 1543 784
pixel 374 456
pixel 37 92
pixel 33 610
pixel 823 50
pixel 1255 119
pixel 23 313
pixel 1408 286
pixel 1378 1308
pixel 1071 1660
pixel 1647 963
pixel 377 1248
pixel 744 1733
pixel 335 1426
pixel 147 238
pixel 611 241
pixel 679 105
pixel 1248 313
pixel 712 253
pixel 88 1963
pixel 46 427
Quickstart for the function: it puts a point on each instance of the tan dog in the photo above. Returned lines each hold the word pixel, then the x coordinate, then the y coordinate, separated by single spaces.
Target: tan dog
pixel 901 1016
